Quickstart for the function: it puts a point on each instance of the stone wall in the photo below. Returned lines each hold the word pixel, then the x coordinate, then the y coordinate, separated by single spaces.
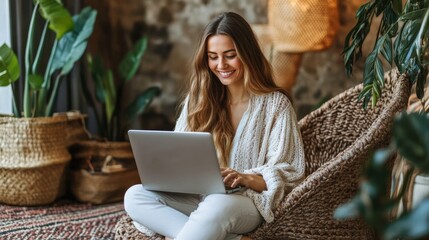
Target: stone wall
pixel 173 28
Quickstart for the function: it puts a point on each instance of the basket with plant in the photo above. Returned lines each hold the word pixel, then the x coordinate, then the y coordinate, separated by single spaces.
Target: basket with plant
pixel 33 151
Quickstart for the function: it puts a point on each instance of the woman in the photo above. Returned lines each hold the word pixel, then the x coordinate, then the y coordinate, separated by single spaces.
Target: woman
pixel 233 96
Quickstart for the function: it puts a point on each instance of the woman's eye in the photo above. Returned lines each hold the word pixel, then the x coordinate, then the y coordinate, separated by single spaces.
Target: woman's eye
pixel 212 57
pixel 231 57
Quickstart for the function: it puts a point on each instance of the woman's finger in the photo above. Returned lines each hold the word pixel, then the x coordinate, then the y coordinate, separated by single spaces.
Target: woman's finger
pixel 226 171
pixel 228 178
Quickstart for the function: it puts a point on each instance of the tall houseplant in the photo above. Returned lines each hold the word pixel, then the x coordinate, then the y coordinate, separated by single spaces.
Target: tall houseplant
pixel 33 149
pixel 42 82
pixel 104 170
pixel 113 120
pixel 402 41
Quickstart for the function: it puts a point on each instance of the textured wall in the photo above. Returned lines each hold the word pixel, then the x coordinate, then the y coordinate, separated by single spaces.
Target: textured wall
pixel 173 28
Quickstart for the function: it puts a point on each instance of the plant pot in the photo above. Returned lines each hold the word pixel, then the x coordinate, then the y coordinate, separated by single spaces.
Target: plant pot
pixel 102 171
pixel 33 160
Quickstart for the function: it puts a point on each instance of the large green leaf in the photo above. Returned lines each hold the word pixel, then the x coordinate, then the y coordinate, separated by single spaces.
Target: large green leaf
pixel 142 101
pixel 413 225
pixel 411 136
pixel 72 46
pixel 9 66
pixel 131 62
pixel 60 20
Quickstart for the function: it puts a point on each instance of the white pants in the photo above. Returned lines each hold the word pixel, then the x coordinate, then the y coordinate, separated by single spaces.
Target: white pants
pixel 188 217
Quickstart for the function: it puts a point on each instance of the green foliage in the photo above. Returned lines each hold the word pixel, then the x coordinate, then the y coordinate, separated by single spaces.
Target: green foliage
pixel 69 50
pixel 411 136
pixel 71 35
pixel 402 41
pixel 58 17
pixel 112 121
pixel 9 67
pixel 411 140
pixel 131 62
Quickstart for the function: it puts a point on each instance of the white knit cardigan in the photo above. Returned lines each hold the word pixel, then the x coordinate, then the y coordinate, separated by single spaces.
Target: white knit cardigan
pixel 267 142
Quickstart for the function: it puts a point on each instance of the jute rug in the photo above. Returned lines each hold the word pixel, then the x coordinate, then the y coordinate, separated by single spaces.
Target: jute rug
pixel 64 219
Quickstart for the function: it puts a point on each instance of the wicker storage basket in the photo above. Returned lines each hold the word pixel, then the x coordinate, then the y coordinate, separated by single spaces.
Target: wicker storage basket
pixel 76 128
pixel 102 171
pixel 33 160
pixel 303 25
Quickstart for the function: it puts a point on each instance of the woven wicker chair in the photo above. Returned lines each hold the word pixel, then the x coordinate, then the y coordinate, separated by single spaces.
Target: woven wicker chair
pixel 338 138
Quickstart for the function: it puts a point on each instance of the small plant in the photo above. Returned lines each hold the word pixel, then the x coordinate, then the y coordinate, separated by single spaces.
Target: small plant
pixel 402 41
pixel 112 121
pixel 42 82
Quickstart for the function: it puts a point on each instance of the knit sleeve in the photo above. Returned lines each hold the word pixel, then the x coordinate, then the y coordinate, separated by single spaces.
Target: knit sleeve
pixel 283 166
pixel 182 122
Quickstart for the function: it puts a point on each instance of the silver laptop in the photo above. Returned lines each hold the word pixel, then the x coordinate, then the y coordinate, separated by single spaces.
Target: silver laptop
pixel 183 162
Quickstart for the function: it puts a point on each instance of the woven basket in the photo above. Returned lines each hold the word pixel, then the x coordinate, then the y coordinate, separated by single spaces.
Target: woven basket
pixel 303 25
pixel 102 171
pixel 76 129
pixel 33 160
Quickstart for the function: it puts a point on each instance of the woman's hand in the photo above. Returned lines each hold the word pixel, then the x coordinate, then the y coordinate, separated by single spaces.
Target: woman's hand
pixel 233 179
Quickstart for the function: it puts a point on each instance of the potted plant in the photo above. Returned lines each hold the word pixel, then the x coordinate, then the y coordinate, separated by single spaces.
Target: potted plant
pixel 33 153
pixel 402 41
pixel 104 168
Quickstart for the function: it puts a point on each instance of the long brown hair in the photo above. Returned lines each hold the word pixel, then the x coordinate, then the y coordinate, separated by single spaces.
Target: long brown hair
pixel 208 99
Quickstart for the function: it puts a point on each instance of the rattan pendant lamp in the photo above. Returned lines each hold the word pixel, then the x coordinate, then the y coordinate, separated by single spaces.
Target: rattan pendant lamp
pixel 295 27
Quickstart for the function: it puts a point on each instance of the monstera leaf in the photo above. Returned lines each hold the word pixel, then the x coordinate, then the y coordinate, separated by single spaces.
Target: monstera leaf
pixel 9 67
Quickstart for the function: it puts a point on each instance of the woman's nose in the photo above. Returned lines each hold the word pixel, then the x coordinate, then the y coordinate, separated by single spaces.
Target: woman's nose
pixel 222 63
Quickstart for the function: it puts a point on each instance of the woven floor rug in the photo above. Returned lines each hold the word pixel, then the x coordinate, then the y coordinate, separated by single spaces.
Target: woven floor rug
pixel 64 219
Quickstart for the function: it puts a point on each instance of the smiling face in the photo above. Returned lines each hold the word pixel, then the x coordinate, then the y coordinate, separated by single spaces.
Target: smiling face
pixel 223 60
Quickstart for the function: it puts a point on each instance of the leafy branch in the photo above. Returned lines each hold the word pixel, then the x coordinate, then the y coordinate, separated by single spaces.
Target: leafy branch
pixel 401 41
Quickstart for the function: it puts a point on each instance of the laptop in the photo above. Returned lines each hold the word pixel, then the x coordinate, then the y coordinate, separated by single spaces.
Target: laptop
pixel 183 162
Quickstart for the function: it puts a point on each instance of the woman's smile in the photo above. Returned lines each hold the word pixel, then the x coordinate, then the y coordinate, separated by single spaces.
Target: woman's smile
pixel 226 74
